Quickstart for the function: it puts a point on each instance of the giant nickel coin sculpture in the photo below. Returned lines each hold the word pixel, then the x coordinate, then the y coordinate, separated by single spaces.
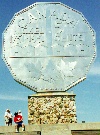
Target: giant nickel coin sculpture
pixel 48 47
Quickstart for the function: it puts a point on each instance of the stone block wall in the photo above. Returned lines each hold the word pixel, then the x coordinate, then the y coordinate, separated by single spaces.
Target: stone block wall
pixel 51 108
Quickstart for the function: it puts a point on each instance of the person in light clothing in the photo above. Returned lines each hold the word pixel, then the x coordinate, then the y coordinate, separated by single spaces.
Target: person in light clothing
pixel 6 117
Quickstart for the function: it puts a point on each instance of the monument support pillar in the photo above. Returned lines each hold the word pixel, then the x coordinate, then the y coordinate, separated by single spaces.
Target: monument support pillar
pixel 52 108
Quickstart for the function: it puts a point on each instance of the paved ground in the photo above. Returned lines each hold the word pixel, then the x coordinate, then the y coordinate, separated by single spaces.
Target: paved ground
pixel 94 132
pixel 22 133
pixel 54 129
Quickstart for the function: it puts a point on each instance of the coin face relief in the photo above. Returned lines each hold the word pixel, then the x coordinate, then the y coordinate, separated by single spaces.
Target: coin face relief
pixel 48 47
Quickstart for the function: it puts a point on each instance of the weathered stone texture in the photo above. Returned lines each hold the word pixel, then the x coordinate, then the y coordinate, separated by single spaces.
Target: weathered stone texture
pixel 51 109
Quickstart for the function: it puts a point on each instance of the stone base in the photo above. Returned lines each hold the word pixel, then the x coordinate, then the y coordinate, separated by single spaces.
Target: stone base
pixel 51 108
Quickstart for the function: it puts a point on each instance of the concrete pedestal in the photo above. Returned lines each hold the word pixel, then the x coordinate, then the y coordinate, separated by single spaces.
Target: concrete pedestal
pixel 56 132
pixel 55 129
pixel 52 108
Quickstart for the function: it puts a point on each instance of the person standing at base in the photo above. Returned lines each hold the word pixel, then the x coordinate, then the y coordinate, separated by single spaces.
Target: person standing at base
pixel 18 119
pixel 10 118
pixel 6 117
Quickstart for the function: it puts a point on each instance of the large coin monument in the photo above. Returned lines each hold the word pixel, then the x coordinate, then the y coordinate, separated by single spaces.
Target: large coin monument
pixel 48 47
